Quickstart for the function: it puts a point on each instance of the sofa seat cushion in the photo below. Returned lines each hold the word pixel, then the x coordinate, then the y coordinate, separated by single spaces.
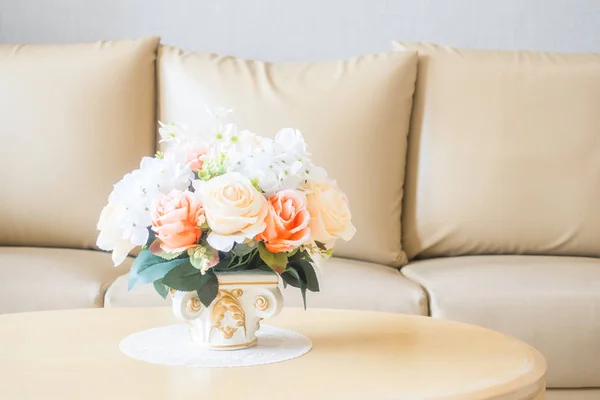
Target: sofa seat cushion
pixel 40 279
pixel 573 394
pixel 354 115
pixel 345 284
pixel 552 303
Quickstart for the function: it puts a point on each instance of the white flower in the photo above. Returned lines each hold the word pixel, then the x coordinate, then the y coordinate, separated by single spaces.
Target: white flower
pixel 172 133
pixel 128 210
pixel 232 141
pixel 295 158
pixel 138 189
pixel 292 143
pixel 256 161
pixel 225 135
pixel 244 143
pixel 217 131
pixel 277 164
pixel 124 221
pixel 165 174
pixel 234 209
pixel 116 238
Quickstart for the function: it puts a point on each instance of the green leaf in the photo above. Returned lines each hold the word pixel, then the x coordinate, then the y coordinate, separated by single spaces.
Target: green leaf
pixel 277 261
pixel 225 260
pixel 300 282
pixel 241 249
pixel 161 289
pixel 168 256
pixel 151 237
pixel 291 277
pixel 301 274
pixel 301 271
pixel 209 288
pixel 300 255
pixel 183 277
pixel 312 282
pixel 148 267
pixel 188 279
pixel 306 256
pixel 321 246
pixel 303 291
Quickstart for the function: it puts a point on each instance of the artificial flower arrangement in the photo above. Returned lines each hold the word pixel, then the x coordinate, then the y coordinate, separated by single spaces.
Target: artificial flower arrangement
pixel 222 200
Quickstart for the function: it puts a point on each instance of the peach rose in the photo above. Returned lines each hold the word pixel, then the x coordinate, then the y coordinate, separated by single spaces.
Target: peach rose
pixel 175 219
pixel 194 157
pixel 329 212
pixel 287 222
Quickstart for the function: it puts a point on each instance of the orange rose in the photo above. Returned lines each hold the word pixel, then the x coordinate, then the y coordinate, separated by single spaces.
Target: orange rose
pixel 175 219
pixel 287 222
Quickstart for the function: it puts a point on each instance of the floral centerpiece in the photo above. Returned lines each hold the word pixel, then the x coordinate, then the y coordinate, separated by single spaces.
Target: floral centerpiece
pixel 224 200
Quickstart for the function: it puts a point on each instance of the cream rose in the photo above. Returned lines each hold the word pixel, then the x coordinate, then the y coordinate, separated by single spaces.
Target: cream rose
pixel 330 216
pixel 234 209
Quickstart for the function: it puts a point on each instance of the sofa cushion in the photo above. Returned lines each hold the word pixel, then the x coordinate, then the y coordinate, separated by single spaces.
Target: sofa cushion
pixel 344 284
pixel 573 394
pixel 75 119
pixel 504 154
pixel 354 115
pixel 552 303
pixel 40 279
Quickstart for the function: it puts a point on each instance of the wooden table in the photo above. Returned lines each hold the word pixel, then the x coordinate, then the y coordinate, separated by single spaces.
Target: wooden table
pixel 356 355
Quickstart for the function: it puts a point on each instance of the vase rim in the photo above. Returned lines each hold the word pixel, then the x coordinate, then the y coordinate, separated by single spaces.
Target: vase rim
pixel 250 277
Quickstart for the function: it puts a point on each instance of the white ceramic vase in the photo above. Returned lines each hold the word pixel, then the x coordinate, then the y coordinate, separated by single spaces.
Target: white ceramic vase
pixel 232 319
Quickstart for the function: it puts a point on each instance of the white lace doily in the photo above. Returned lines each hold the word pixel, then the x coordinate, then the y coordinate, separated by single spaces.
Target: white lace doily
pixel 171 345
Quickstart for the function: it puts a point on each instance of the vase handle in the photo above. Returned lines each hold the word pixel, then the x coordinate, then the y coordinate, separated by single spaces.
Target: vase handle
pixel 187 305
pixel 268 302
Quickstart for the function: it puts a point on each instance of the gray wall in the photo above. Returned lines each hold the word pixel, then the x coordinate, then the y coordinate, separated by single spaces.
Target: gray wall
pixel 291 30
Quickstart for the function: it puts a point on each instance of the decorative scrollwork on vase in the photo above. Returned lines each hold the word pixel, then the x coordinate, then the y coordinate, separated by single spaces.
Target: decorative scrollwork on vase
pixel 194 304
pixel 261 303
pixel 228 301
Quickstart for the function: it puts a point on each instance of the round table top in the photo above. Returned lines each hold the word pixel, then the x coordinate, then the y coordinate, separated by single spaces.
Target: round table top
pixel 356 354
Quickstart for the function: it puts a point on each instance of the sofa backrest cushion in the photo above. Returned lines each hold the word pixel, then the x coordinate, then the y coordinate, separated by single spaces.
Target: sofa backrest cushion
pixel 73 120
pixel 504 154
pixel 354 115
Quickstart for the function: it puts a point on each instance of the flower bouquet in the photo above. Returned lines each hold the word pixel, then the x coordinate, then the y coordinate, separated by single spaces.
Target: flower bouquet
pixel 224 201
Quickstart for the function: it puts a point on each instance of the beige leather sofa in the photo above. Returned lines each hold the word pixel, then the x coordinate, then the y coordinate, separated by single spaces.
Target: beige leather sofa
pixel 479 201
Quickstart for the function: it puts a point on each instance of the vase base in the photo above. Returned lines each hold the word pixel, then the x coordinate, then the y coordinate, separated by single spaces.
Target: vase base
pixel 228 347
